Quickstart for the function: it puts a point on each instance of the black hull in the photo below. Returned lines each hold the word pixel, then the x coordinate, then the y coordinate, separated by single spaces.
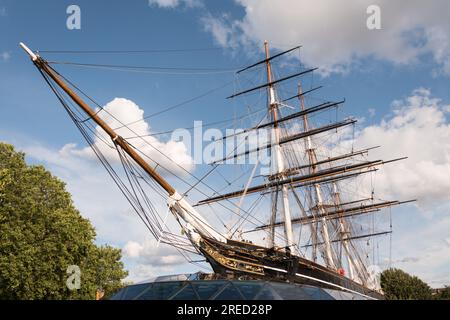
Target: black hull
pixel 245 260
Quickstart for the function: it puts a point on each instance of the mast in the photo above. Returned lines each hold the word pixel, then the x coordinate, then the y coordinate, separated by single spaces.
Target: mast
pixel 329 259
pixel 344 233
pixel 195 223
pixel 273 107
pixel 357 271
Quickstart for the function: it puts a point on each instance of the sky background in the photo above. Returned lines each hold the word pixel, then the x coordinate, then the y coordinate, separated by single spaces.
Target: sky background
pixel 395 80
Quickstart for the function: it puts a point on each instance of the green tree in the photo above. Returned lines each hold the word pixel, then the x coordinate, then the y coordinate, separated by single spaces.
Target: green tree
pixel 42 233
pixel 444 294
pixel 399 285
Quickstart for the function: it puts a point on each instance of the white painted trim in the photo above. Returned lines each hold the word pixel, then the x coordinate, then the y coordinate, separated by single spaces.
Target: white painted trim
pixel 322 281
pixel 27 50
pixel 179 206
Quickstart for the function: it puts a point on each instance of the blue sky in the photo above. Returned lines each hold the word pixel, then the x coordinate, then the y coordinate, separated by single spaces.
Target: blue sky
pixel 371 69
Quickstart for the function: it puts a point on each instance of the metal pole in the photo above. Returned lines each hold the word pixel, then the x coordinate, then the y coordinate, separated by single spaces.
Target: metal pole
pixel 273 106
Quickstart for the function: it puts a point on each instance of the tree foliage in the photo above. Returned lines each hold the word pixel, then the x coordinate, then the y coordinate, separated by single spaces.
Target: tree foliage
pixel 399 285
pixel 42 233
pixel 444 294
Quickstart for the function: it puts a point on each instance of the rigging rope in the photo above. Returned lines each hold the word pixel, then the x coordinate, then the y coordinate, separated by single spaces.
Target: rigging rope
pixel 150 69
pixel 199 180
pixel 133 200
pixel 177 105
pixel 127 51
pixel 204 125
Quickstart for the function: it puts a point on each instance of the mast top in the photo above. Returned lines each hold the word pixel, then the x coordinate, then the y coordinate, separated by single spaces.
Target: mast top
pixel 32 55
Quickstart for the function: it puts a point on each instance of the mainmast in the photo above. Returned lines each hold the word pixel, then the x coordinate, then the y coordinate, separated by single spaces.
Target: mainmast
pixel 312 159
pixel 279 162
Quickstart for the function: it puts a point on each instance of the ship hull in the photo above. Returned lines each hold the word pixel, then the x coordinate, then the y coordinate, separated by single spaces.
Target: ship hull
pixel 236 259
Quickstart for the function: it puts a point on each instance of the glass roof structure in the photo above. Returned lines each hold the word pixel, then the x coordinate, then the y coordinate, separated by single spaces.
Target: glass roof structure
pixel 190 287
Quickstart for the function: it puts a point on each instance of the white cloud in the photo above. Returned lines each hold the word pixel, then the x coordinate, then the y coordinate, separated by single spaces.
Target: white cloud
pixel 99 200
pixel 93 193
pixel 5 56
pixel 418 128
pixel 334 36
pixel 132 249
pixel 151 253
pixel 142 272
pixel 222 29
pixel 426 254
pixel 164 3
pixel 169 4
pixel 147 260
pixel 170 155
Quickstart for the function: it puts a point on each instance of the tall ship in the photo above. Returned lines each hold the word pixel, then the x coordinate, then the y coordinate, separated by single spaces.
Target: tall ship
pixel 298 221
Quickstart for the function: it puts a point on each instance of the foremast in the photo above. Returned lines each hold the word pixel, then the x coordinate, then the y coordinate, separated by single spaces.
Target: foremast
pixel 195 225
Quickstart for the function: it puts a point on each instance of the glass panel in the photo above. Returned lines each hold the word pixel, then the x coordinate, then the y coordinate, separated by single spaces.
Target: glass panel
pixel 290 291
pixel 194 276
pixel 314 292
pixel 118 294
pixel 133 291
pixel 337 295
pixel 357 297
pixel 267 294
pixel 325 296
pixel 206 289
pixel 232 290
pixel 342 295
pixel 161 291
pixel 171 277
pixel 187 293
pixel 229 293
pixel 249 289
